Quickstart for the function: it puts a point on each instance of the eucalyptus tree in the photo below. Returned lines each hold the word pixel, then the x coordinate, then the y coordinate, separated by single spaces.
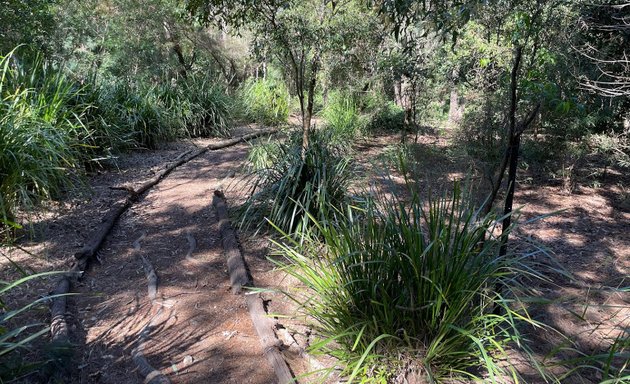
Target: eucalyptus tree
pixel 296 33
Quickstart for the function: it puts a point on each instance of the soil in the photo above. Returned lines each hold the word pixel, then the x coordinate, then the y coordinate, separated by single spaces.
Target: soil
pixel 202 333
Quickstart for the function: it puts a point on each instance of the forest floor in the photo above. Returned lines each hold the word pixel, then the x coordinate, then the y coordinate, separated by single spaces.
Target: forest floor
pixel 204 333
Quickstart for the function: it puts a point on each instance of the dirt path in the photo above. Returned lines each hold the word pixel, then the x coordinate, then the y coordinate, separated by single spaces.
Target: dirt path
pixel 198 331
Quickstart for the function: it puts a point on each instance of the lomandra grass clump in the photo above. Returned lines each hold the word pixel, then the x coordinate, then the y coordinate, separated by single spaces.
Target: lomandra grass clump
pixel 16 338
pixel 266 101
pixel 42 137
pixel 401 289
pixel 290 189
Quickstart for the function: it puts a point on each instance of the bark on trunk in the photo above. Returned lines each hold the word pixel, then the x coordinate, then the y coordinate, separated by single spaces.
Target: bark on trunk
pixel 308 113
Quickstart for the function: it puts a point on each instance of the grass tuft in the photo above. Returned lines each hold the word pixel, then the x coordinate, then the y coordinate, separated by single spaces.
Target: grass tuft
pixel 288 189
pixel 398 289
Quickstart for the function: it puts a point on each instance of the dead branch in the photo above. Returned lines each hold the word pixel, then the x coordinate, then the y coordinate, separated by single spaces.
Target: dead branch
pixel 145 369
pixel 239 277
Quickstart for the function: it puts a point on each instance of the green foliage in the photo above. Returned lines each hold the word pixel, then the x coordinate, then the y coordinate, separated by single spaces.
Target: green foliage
pixel 388 117
pixel 614 147
pixel 51 127
pixel 142 112
pixel 401 158
pixel 25 21
pixel 289 190
pixel 148 116
pixel 205 107
pixel 343 121
pixel 265 101
pixel 15 339
pixel 263 154
pixel 403 286
pixel 42 137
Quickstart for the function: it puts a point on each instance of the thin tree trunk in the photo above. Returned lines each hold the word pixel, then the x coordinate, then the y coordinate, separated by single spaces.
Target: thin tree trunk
pixel 177 48
pixel 306 120
pixel 453 108
pixel 512 155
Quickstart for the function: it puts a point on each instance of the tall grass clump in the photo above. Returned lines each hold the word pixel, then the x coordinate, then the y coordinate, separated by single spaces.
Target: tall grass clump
pixel 205 107
pixel 342 117
pixel 15 338
pixel 289 189
pixel 42 137
pixel 407 289
pixel 264 154
pixel 141 112
pixel 265 101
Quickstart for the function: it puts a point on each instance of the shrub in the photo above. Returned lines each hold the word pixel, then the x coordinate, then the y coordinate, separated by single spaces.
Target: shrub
pixel 41 134
pixel 388 117
pixel 342 118
pixel 614 147
pixel 289 189
pixel 265 101
pixel 397 288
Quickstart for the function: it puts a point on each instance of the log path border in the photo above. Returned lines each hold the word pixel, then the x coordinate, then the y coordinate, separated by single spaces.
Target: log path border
pixel 239 278
pixel 59 330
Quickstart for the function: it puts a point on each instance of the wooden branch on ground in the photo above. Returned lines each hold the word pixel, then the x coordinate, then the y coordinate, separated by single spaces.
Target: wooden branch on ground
pixel 152 279
pixel 239 277
pixel 148 372
pixel 58 324
pixel 59 327
pixel 192 244
pixel 145 369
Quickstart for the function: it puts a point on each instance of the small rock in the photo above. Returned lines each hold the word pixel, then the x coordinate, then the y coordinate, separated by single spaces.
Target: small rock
pixel 188 360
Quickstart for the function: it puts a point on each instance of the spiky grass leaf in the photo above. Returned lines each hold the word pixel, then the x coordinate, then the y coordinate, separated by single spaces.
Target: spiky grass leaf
pixel 422 273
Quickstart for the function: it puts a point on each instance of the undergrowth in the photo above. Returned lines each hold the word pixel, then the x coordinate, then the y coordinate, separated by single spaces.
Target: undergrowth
pixel 342 118
pixel 52 127
pixel 289 189
pixel 265 101
pixel 398 289
pixel 16 339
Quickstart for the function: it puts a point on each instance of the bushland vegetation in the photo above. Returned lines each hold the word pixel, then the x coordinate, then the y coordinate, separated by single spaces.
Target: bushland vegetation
pixel 397 286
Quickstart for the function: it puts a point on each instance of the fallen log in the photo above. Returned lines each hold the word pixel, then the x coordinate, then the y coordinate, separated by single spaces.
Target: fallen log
pixel 239 278
pixel 145 369
pixel 59 332
pixel 149 271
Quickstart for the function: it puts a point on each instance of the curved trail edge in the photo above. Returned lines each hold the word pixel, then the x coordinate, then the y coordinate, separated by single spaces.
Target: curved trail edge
pixel 59 329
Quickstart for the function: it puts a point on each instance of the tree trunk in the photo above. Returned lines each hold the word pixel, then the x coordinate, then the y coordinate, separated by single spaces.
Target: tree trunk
pixel 397 93
pixel 177 48
pixel 514 140
pixel 308 112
